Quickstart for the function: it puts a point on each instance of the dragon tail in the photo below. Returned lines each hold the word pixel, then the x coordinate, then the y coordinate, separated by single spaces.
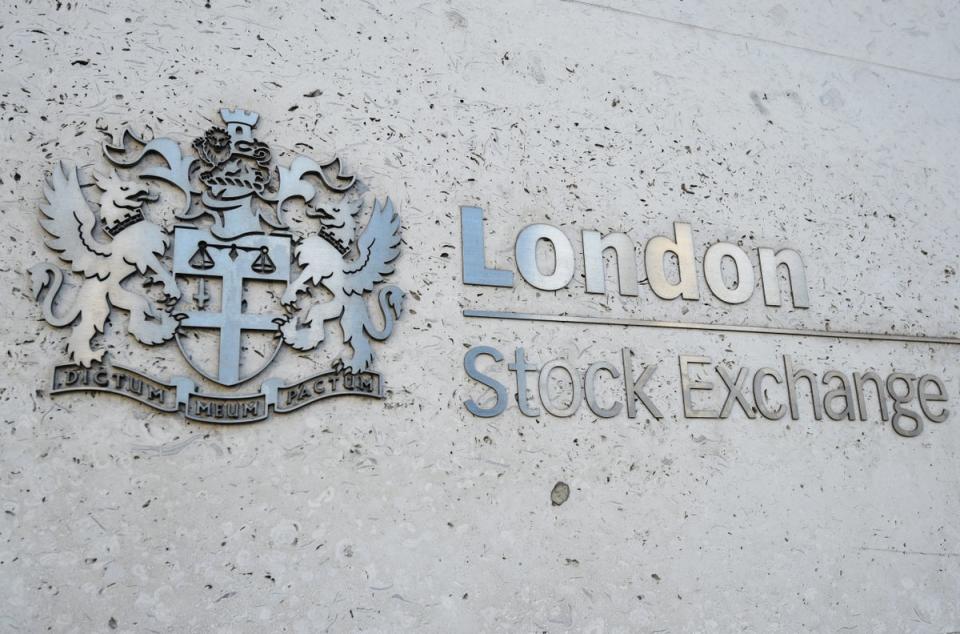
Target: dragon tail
pixel 391 305
pixel 359 329
pixel 46 276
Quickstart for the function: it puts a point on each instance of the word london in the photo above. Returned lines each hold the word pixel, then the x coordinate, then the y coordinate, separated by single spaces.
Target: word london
pixel 658 249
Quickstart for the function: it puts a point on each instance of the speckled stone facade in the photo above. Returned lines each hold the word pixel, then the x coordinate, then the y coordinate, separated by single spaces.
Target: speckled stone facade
pixel 830 128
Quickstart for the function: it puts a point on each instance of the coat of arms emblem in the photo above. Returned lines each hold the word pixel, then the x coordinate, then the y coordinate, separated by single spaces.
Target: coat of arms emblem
pixel 239 277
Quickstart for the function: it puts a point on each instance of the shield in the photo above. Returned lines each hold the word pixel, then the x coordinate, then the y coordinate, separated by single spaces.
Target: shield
pixel 231 300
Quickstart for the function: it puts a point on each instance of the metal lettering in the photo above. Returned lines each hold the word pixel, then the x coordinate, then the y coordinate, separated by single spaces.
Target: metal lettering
pixel 687 385
pixel 101 377
pixel 843 392
pixel 770 263
pixel 521 367
pixel 156 394
pixel 858 382
pixel 70 377
pixel 590 390
pixel 635 389
pixel 713 272
pixel 735 392
pixel 899 400
pixel 529 267
pixel 759 394
pixel 297 394
pixel 925 397
pixel 544 383
pixel 682 247
pixel 594 246
pixel 791 378
pixel 470 365
pixel 475 271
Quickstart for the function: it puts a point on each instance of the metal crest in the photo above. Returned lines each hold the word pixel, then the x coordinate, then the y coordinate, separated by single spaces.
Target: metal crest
pixel 239 279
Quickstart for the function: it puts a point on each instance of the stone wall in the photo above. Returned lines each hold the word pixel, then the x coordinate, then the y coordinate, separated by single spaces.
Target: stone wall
pixel 829 128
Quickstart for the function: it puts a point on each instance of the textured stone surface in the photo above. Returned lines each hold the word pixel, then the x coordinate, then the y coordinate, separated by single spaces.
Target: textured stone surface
pixel 411 514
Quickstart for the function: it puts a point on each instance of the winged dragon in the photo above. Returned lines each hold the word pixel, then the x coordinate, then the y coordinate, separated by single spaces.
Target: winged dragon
pixel 132 245
pixel 324 258
pixel 109 246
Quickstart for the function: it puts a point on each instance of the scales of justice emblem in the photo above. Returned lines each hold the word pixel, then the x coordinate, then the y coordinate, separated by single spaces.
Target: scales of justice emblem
pixel 242 268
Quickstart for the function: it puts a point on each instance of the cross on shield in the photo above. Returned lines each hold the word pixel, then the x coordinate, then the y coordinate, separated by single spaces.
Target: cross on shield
pixel 233 264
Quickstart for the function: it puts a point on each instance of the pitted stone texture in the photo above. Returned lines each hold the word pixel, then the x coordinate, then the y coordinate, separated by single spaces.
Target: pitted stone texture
pixel 411 515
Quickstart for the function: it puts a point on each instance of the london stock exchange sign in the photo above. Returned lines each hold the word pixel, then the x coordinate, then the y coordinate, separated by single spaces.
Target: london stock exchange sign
pixel 904 399
pixel 235 238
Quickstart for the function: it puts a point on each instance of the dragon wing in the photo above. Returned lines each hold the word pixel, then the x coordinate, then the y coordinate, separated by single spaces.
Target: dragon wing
pixel 69 220
pixel 379 246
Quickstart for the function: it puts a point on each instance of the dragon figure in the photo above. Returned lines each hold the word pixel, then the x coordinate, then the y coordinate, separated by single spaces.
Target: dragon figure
pixel 323 257
pixel 133 245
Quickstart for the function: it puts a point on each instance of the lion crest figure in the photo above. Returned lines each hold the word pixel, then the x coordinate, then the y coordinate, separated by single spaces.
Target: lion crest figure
pixel 130 245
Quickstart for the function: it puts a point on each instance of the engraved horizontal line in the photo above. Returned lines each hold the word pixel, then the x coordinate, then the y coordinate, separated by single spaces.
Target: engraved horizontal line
pixel 764 40
pixel 910 552
pixel 681 325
